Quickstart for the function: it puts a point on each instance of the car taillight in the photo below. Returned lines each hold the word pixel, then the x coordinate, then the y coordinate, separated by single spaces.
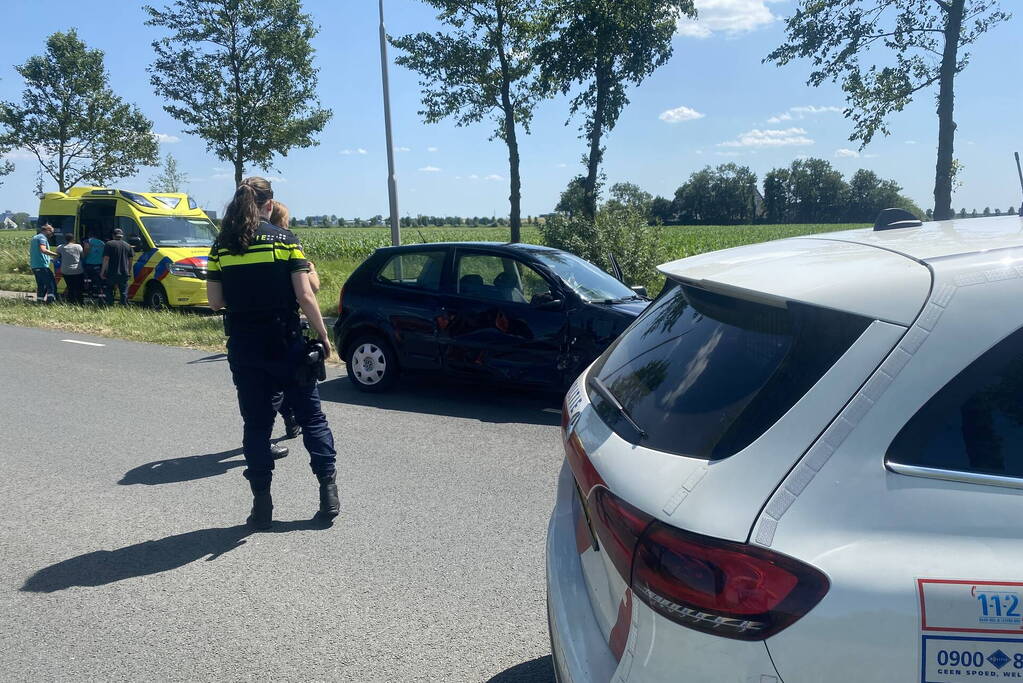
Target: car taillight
pixel 728 589
pixel 618 527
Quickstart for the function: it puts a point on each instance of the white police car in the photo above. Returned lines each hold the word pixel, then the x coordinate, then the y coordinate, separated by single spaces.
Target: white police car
pixel 804 462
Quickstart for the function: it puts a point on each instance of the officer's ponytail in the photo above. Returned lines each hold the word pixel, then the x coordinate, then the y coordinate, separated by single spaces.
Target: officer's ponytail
pixel 242 216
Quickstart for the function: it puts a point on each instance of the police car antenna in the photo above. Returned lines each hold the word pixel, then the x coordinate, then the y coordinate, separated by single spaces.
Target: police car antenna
pixel 1019 170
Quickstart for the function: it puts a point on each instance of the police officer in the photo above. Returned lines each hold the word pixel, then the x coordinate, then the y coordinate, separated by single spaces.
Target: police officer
pixel 260 274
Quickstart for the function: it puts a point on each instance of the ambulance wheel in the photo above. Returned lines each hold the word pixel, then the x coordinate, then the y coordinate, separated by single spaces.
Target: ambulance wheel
pixel 156 297
pixel 372 365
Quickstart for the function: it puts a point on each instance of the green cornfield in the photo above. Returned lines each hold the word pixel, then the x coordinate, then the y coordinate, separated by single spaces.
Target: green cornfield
pixel 337 251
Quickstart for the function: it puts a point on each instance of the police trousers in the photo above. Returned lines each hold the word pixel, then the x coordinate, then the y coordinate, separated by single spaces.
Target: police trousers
pixel 263 367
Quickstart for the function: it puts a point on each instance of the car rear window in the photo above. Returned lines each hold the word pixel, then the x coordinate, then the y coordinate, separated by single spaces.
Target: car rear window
pixel 703 374
pixel 419 270
pixel 975 422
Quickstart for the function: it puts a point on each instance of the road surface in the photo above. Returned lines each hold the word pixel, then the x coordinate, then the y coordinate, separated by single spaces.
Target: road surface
pixel 125 556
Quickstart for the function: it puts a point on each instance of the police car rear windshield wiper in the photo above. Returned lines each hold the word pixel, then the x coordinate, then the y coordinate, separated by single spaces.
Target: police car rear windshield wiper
pixel 616 404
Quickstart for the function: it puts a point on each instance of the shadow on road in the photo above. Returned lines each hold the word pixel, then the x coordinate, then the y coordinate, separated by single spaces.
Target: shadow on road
pixel 452 399
pixel 187 468
pixel 150 557
pixel 539 670
pixel 215 358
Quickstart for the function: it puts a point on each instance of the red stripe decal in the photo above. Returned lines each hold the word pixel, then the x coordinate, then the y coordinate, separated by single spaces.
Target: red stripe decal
pixel 137 282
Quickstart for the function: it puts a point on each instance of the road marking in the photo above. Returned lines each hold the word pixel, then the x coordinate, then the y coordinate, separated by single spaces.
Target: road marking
pixel 83 343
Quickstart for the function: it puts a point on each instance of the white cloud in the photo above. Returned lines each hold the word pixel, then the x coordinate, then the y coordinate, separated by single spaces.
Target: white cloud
pixel 847 153
pixel 430 169
pixel 222 175
pixel 493 176
pixel 788 137
pixel 276 179
pixel 474 177
pixel 729 154
pixel 910 142
pixel 731 17
pixel 680 114
pixel 562 165
pixel 19 153
pixel 800 113
pixel 402 149
pixel 432 149
pixel 165 139
pixel 349 152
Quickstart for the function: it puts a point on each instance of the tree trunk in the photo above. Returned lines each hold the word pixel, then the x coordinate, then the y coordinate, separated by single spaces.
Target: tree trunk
pixel 238 167
pixel 595 134
pixel 510 137
pixel 946 110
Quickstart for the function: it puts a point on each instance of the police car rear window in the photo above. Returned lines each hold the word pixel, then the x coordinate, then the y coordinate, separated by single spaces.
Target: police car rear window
pixel 703 374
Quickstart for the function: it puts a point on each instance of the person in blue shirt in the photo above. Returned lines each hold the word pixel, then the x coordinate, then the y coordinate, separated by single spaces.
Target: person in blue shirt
pixel 39 257
pixel 94 262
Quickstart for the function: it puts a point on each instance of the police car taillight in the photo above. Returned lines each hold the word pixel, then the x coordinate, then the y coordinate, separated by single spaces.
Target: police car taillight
pixel 728 589
pixel 720 587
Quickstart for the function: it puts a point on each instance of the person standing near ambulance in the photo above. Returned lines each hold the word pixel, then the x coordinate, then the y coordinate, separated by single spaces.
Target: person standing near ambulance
pixel 39 257
pixel 259 273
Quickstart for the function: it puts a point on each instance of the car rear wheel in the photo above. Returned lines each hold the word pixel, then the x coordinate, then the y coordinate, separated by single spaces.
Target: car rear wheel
pixel 372 365
pixel 156 297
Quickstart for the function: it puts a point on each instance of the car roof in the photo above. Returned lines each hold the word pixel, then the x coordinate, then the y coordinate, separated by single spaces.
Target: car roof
pixel 514 247
pixel 940 239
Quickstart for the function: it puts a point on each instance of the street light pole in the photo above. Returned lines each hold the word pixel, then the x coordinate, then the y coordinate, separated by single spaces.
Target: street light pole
pixel 392 181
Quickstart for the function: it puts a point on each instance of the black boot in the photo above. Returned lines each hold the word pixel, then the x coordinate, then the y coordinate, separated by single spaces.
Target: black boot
pixel 330 504
pixel 291 428
pixel 278 452
pixel 262 504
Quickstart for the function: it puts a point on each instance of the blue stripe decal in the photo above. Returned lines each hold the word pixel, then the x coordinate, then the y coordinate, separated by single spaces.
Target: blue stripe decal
pixel 141 263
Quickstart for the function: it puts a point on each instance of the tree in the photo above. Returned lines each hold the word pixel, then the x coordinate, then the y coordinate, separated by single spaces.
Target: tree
pixel 482 67
pixel 240 75
pixel 573 199
pixel 925 40
pixel 603 46
pixel 721 195
pixel 818 191
pixel 661 210
pixel 1012 210
pixel 777 200
pixel 171 179
pixel 71 120
pixel 987 211
pixel 630 195
pixel 22 220
pixel 868 194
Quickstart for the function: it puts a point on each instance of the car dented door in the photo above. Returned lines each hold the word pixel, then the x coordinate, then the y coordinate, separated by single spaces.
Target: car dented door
pixel 504 321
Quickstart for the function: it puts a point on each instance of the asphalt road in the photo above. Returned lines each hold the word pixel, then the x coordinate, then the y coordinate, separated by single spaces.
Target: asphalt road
pixel 124 555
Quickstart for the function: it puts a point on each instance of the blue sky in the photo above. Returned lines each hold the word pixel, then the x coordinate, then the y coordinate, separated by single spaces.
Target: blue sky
pixel 714 102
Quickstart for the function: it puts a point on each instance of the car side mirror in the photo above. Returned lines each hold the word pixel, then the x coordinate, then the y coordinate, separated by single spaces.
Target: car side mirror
pixel 551 305
pixel 135 242
pixel 640 290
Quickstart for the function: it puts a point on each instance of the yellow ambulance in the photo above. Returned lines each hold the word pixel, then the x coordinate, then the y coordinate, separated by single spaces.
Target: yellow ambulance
pixel 171 236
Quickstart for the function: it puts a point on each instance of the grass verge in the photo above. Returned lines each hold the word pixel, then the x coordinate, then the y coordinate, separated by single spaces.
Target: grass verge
pixel 172 328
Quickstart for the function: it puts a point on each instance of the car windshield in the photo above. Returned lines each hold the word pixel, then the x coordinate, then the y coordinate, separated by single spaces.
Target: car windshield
pixel 588 281
pixel 179 231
